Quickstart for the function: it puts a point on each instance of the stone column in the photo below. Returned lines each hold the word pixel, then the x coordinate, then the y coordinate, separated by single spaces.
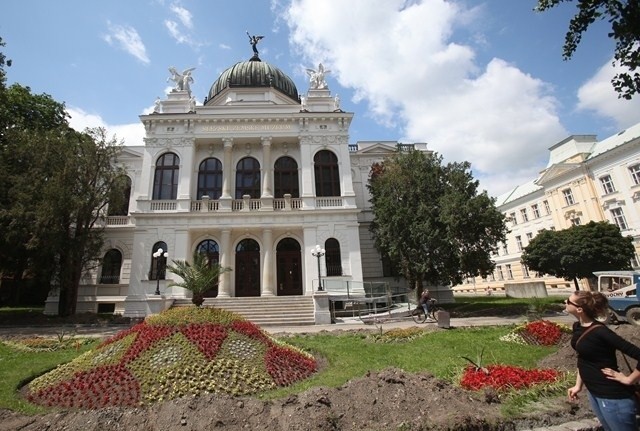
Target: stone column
pixel 268 283
pixel 225 259
pixel 227 169
pixel 267 169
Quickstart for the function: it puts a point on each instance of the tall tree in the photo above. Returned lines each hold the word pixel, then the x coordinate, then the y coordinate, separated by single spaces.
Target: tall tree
pixel 577 252
pixel 624 17
pixel 430 220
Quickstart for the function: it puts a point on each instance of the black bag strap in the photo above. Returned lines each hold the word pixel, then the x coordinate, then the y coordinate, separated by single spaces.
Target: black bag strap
pixel 594 325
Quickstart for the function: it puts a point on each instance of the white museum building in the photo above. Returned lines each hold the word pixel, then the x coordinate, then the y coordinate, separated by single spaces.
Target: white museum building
pixel 257 177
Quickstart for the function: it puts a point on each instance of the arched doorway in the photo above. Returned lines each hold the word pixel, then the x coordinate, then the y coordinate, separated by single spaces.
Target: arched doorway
pixel 289 261
pixel 247 268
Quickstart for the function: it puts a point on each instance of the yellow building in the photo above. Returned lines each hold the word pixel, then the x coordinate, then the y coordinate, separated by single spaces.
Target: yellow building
pixel 585 180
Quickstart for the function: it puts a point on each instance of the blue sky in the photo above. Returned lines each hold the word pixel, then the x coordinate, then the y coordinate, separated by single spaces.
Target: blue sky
pixel 482 81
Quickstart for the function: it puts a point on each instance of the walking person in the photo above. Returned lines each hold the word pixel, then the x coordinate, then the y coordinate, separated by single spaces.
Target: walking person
pixel 610 392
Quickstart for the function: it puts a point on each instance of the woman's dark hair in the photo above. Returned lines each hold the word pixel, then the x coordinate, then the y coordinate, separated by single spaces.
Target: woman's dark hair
pixel 594 304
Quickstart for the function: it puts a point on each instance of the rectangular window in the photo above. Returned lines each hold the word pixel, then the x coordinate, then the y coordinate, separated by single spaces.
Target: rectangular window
pixel 492 277
pixel 547 208
pixel 568 197
pixel 635 263
pixel 607 184
pixel 500 274
pixel 529 237
pixel 525 271
pixel 618 218
pixel 505 249
pixel 535 210
pixel 513 220
pixel 635 174
pixel 519 242
pixel 525 217
pixel 509 272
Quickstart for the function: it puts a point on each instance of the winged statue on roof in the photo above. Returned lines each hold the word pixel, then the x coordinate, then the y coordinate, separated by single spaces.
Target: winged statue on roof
pixel 253 40
pixel 182 81
pixel 316 78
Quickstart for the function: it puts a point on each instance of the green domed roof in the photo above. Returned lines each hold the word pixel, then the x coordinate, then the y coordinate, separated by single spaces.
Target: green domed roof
pixel 254 73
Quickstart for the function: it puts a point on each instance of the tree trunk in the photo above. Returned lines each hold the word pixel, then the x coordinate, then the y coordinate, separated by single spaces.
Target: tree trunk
pixel 198 299
pixel 575 282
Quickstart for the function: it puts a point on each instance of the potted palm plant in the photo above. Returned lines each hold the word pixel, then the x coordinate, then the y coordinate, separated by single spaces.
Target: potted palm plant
pixel 198 277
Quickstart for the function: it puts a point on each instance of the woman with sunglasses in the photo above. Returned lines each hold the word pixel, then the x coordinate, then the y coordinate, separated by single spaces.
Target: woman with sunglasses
pixel 610 392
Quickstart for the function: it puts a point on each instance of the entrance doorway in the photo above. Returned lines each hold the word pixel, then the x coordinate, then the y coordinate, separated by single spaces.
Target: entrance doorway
pixel 247 269
pixel 289 261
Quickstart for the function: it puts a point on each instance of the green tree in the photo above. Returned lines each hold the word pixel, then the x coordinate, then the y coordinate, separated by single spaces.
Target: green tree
pixel 430 221
pixel 624 17
pixel 197 277
pixel 577 252
pixel 55 186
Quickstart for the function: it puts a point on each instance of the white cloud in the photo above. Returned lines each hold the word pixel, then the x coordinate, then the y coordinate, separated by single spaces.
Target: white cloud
pixel 598 95
pixel 183 15
pixel 132 134
pixel 402 59
pixel 128 39
pixel 182 29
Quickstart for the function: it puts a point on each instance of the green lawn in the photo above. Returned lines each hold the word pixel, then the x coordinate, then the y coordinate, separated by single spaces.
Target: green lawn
pixel 18 367
pixel 345 356
pixel 439 352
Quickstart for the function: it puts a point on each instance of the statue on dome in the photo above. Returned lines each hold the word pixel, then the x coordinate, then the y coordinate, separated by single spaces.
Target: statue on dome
pixel 316 78
pixel 253 40
pixel 182 81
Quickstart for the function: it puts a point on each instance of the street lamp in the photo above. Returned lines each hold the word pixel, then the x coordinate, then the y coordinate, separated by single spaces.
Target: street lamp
pixel 318 252
pixel 157 255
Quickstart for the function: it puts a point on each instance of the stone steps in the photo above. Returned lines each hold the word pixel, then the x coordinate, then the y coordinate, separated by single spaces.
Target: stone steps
pixel 265 311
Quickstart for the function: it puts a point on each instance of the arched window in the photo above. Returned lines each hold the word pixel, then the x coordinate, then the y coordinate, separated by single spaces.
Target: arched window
pixel 327 174
pixel 165 182
pixel 211 249
pixel 248 178
pixel 119 205
pixel 285 177
pixel 111 264
pixel 210 179
pixel 333 260
pixel 158 265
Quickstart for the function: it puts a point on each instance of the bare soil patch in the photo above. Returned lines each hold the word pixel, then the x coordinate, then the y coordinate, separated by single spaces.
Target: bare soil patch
pixel 391 399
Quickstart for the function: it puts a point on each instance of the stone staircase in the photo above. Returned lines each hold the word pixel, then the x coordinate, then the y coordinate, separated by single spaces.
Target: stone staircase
pixel 265 310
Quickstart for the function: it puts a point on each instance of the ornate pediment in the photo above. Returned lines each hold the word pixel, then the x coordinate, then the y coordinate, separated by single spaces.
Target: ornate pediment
pixel 556 171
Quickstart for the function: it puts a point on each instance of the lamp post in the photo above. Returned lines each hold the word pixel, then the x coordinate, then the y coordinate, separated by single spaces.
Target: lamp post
pixel 157 255
pixel 318 252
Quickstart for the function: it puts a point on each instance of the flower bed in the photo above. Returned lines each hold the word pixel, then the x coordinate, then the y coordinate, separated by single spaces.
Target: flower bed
pixel 539 332
pixel 184 351
pixel 503 377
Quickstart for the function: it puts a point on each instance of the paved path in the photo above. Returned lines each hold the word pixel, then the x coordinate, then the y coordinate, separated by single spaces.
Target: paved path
pixel 342 324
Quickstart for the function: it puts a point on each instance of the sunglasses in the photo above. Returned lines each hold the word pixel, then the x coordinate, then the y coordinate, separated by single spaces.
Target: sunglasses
pixel 568 302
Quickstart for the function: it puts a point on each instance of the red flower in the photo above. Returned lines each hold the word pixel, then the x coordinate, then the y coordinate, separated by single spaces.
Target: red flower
pixel 505 376
pixel 286 366
pixel 207 337
pixel 544 332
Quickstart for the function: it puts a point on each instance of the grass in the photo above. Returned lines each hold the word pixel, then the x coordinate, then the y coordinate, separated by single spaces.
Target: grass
pixel 18 366
pixel 440 353
pixel 466 306
pixel 347 356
